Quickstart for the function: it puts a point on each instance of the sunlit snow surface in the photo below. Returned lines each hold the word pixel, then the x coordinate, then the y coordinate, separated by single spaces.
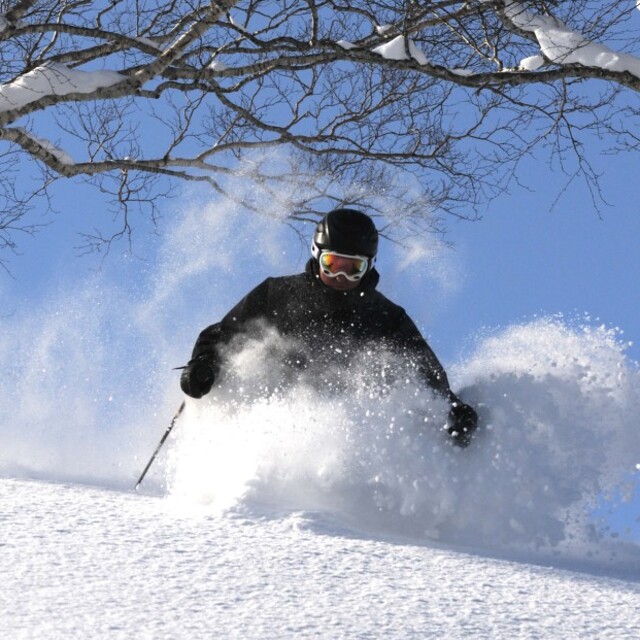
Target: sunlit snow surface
pixel 90 563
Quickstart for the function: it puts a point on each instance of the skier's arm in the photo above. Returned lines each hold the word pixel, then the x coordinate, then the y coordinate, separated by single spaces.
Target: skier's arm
pixel 204 367
pixel 462 420
pixel 429 366
pixel 253 306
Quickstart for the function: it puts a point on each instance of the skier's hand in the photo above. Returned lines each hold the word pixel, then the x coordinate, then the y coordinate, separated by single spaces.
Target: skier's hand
pixel 199 375
pixel 461 423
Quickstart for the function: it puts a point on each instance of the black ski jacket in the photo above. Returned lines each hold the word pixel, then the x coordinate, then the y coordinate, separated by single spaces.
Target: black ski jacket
pixel 332 324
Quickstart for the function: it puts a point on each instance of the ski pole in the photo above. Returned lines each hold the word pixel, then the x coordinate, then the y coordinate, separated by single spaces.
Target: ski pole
pixel 164 437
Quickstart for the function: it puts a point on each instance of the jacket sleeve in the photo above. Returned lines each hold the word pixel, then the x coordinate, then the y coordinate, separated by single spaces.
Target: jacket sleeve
pixel 254 305
pixel 428 364
pixel 462 420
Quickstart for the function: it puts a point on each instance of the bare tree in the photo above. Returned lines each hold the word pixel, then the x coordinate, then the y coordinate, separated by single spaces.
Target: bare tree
pixel 427 106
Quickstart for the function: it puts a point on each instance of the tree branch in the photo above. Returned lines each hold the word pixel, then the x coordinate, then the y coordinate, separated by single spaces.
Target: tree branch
pixel 347 100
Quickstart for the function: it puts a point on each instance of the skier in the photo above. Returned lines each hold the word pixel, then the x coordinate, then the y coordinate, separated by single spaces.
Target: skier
pixel 334 302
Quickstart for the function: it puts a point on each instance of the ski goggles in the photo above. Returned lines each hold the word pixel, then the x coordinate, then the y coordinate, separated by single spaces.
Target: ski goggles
pixel 335 264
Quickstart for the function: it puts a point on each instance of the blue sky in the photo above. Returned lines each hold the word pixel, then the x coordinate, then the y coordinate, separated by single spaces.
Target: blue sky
pixel 521 260
pixel 524 259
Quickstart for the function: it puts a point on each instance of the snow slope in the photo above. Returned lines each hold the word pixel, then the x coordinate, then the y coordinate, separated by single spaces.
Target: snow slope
pixel 92 563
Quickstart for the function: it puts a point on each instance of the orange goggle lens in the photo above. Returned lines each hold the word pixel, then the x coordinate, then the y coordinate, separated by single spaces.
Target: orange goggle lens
pixel 340 263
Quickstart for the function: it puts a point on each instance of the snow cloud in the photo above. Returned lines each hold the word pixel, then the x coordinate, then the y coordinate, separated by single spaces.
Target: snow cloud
pixel 557 406
pixel 92 389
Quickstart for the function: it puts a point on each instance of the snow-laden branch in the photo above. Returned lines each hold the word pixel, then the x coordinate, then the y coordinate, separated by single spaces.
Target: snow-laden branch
pixel 452 94
pixel 401 48
pixel 40 148
pixel 563 46
pixel 53 79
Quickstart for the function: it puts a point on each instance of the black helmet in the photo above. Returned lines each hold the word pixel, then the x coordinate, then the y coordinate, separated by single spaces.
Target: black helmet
pixel 346 231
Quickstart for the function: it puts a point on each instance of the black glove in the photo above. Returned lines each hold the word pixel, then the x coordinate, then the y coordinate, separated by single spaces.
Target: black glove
pixel 199 375
pixel 461 423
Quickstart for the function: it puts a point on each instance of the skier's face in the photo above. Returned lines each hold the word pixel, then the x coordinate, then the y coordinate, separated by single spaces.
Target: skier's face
pixel 341 271
pixel 339 282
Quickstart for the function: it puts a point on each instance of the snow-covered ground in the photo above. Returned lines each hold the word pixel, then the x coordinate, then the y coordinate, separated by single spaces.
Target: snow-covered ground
pixel 84 562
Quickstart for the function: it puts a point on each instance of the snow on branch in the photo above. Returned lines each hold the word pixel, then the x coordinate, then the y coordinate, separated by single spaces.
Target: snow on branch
pixel 450 94
pixel 563 46
pixel 53 79
pixel 401 48
pixel 38 147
